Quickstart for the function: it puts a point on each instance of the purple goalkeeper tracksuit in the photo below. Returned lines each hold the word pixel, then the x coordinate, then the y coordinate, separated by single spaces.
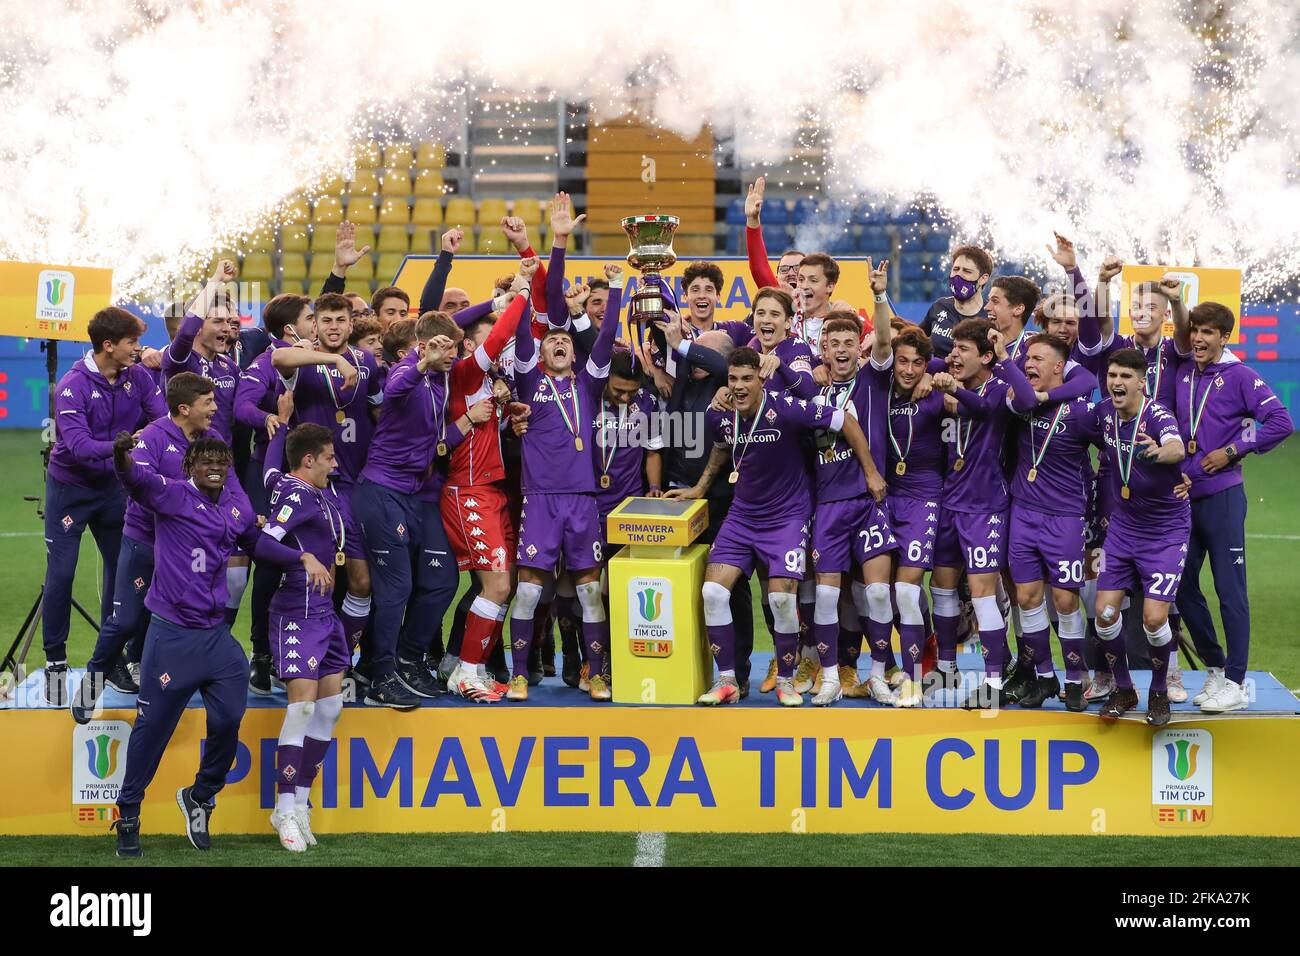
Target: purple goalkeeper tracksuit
pixel 189 646
pixel 80 488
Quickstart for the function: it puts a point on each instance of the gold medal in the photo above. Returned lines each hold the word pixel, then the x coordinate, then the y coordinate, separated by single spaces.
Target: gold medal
pixel 828 455
pixel 442 448
pixel 735 477
pixel 1123 492
pixel 604 481
pixel 1191 450
pixel 340 416
pixel 1033 473
pixel 959 464
pixel 577 443
pixel 900 468
pixel 340 559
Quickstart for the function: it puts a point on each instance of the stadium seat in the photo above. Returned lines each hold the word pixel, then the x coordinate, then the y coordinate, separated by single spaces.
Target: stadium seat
pixel 328 209
pixel 361 287
pixel 256 267
pixel 491 211
pixel 293 267
pixel 936 241
pixel 395 182
pixel 776 238
pixel 774 213
pixel 393 239
pixel 296 286
pixel 394 211
pixel 529 210
pixel 322 239
pixel 431 156
pixel 421 241
pixel 914 291
pixel 875 241
pixel 427 212
pixel 262 240
pixel 805 210
pixel 398 156
pixel 736 212
pixel 364 183
pixel 906 217
pixel 321 265
pixel 296 211
pixel 363 268
pixel 429 182
pixel 334 186
pixel 368 155
pixel 460 212
pixel 909 240
pixel 361 211
pixel 493 242
pixel 839 244
pixel 911 269
pixel 293 237
pixel 388 265
pixel 468 245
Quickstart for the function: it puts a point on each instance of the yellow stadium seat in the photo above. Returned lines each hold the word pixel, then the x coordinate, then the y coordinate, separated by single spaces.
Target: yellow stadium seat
pixel 398 155
pixel 529 210
pixel 389 263
pixel 394 211
pixel 393 239
pixel 322 238
pixel 491 211
pixel 361 211
pixel 293 267
pixel 467 245
pixel 368 155
pixel 364 183
pixel 422 241
pixel 328 209
pixel 361 287
pixel 261 240
pixel 427 212
pixel 429 182
pixel 296 211
pixel 431 156
pixel 321 265
pixel 363 268
pixel 492 242
pixel 460 212
pixel 334 186
pixel 395 182
pixel 297 287
pixel 256 267
pixel 293 237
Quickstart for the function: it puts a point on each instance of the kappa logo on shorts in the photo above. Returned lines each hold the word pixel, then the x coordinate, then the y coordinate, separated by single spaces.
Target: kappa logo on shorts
pixel 995 519
pixel 476 532
pixel 293 640
pixel 292 656
pixel 473 516
pixel 471 503
pixel 993 535
pixel 291 626
pixel 292 669
pixel 67 522
pixel 165 680
pixel 482 560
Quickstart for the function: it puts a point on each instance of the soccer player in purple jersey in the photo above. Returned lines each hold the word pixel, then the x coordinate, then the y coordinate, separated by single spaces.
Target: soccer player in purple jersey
pixel 199 524
pixel 1146 539
pixel 1011 304
pixel 201 341
pixel 559 515
pixel 914 470
pixel 1225 411
pixel 791 363
pixel 104 392
pixel 1048 495
pixel 815 286
pixel 767 524
pixel 312 652
pixel 338 387
pixel 702 285
pixel 850 526
pixel 985 387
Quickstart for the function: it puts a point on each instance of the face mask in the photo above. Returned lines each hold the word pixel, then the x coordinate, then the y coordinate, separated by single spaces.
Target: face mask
pixel 962 289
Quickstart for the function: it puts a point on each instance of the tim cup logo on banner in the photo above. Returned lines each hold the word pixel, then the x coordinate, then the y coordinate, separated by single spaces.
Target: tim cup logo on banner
pixel 650 615
pixel 55 291
pixel 1182 777
pixel 98 766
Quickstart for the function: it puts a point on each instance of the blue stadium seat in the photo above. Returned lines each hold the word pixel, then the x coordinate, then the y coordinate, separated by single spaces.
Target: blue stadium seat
pixel 861 215
pixel 909 241
pixel 776 238
pixel 841 243
pixel 737 242
pixel 805 210
pixel 838 213
pixel 905 217
pixel 775 213
pixel 736 213
pixel 875 241
pixel 912 269
pixel 936 241
pixel 914 292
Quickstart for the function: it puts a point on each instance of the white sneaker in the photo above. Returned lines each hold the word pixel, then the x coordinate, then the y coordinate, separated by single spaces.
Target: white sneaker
pixel 291 838
pixel 828 693
pixel 467 684
pixel 1103 683
pixel 880 691
pixel 909 694
pixel 1214 679
pixel 133 668
pixel 1229 696
pixel 303 815
pixel 1177 692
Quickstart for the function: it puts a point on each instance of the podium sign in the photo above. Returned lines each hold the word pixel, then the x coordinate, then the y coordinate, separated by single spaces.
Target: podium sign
pixel 42 301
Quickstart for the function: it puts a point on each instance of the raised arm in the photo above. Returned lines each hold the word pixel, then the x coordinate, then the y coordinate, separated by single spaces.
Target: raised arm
pixel 178 352
pixel 563 223
pixel 346 255
pixel 436 284
pixel 882 331
pixel 1023 397
pixel 1111 266
pixel 603 348
pixel 1079 383
pixel 145 485
pixel 759 268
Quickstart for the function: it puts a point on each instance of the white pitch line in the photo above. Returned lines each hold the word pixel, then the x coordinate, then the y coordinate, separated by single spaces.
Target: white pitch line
pixel 650 849
pixel 21 534
pixel 1276 537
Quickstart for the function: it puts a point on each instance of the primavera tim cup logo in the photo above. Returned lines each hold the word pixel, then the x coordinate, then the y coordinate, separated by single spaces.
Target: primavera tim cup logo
pixel 650 612
pixel 1182 778
pixel 98 768
pixel 101 751
pixel 650 602
pixel 1182 759
pixel 55 290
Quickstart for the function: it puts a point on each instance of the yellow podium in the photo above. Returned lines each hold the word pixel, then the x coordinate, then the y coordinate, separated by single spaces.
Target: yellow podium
pixel 656 620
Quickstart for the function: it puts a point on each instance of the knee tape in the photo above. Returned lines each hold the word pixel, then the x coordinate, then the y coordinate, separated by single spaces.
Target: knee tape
pixel 717 604
pixel 988 613
pixel 828 605
pixel 527 597
pixel 878 607
pixel 325 716
pixel 593 609
pixel 1160 637
pixel 296 718
pixel 356 606
pixel 1111 631
pixel 1035 619
pixel 909 602
pixel 945 602
pixel 785 613
pixel 1072 625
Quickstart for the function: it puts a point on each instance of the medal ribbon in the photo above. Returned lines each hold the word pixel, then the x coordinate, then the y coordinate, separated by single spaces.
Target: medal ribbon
pixel 964 443
pixel 607 457
pixel 902 453
pixel 1126 470
pixel 1195 412
pixel 1153 390
pixel 1051 433
pixel 735 431
pixel 439 421
pixel 570 423
pixel 334 395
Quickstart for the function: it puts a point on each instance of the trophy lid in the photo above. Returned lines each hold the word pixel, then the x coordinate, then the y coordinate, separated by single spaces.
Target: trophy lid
pixel 652 241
